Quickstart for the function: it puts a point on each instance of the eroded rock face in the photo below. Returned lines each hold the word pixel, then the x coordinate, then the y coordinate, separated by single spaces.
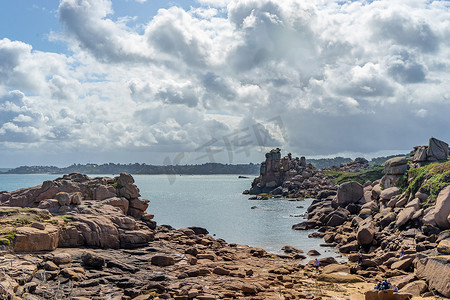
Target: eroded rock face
pixel 29 239
pixel 437 150
pixel 93 212
pixel 442 209
pixel 435 271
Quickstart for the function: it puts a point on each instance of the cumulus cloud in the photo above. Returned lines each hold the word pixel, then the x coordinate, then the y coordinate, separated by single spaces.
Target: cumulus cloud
pixel 360 76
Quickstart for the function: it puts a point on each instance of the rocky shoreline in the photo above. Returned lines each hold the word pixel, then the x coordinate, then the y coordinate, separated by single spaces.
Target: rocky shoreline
pixel 91 238
pixel 406 210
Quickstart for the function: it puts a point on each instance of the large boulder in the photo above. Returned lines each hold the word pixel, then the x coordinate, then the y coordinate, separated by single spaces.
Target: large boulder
pixel 415 288
pixel 388 193
pixel 365 234
pixel 435 271
pixel 428 218
pixel 403 264
pixel 442 208
pixel 396 166
pixel 349 192
pixel 420 154
pixel 29 239
pixel 404 216
pixel 437 150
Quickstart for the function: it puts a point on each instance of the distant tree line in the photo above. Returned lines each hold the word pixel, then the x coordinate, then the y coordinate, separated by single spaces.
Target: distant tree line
pixel 111 168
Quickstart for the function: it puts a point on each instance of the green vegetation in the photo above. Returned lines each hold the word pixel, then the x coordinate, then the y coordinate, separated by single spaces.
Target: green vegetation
pixel 367 175
pixel 23 221
pixel 7 237
pixel 429 179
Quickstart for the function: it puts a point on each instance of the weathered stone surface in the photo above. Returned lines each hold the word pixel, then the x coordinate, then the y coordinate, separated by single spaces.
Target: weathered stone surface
pixel 91 230
pixel 428 218
pixel 104 192
pixel 52 205
pixel 401 281
pixel 93 260
pixel 121 203
pixel 437 150
pixel 404 216
pixel 388 193
pixel 388 219
pixel 30 239
pixel 340 278
pixel 435 271
pixel 349 192
pixel 134 238
pixel 313 253
pixel 403 264
pixel 442 208
pixel 444 246
pixel 76 198
pixel 162 260
pixel 415 288
pixel 396 166
pixel 62 258
pixel 63 198
pixel 365 234
pixel 347 248
pixel 141 204
pixel 420 155
pixel 415 203
pixel 335 268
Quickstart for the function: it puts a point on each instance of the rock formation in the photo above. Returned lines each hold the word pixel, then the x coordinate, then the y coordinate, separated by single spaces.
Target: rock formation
pixel 91 238
pixel 408 209
pixel 98 212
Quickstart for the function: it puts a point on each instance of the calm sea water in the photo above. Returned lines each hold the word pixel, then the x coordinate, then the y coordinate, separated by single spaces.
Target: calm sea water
pixel 216 203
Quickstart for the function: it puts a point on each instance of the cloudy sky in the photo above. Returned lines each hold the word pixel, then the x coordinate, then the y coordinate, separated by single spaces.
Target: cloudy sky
pixel 219 80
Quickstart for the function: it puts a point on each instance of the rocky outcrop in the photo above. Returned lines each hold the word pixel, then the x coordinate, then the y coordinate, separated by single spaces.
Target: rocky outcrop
pixel 436 150
pixel 82 211
pixel 436 272
pixel 178 264
pixel 394 168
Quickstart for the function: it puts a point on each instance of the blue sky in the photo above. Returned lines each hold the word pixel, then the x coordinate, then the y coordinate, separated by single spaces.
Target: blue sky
pixel 223 80
pixel 31 21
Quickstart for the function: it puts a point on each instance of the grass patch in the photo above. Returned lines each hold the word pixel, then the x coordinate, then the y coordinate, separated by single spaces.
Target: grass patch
pixel 23 220
pixel 8 238
pixel 340 177
pixel 429 179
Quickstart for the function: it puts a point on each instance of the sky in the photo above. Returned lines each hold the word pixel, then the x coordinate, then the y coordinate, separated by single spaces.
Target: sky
pixel 180 82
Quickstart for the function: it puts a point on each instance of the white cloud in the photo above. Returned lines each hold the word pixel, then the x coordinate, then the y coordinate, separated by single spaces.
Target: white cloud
pixel 343 77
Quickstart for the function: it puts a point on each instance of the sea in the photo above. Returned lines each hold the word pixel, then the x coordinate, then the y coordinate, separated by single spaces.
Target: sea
pixel 216 203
